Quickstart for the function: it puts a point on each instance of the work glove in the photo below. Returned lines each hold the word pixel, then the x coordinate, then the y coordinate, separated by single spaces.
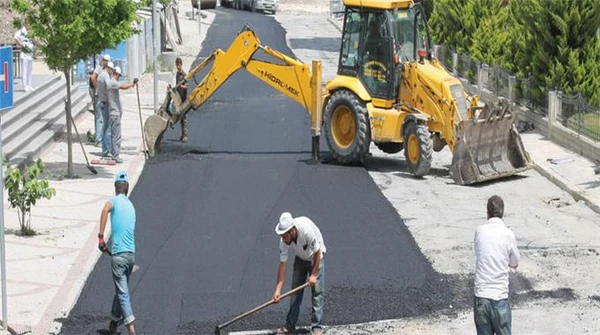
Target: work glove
pixel 101 244
pixel 135 81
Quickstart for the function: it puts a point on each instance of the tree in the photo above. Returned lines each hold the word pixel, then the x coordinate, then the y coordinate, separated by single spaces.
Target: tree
pixel 564 49
pixel 25 188
pixel 69 31
pixel 455 22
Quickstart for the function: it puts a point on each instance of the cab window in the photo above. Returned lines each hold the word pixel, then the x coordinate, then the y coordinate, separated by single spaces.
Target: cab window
pixel 376 65
pixel 349 53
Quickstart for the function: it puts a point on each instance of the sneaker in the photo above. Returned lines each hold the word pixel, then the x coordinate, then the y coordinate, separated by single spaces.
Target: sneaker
pixel 284 330
pixel 184 139
pixel 27 89
pixel 31 88
pixel 118 160
pixel 112 327
pixel 317 331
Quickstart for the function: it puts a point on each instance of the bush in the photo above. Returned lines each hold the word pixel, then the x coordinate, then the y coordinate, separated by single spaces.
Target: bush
pixel 24 189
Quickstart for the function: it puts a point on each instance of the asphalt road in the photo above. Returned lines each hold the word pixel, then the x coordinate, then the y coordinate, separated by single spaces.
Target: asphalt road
pixel 207 210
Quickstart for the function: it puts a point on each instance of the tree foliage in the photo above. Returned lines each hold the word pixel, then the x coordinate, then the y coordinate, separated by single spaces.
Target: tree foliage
pixel 70 30
pixel 67 31
pixel 554 41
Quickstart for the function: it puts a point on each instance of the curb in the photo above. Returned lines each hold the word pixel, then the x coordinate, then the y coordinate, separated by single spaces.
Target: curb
pixel 563 185
pixel 332 21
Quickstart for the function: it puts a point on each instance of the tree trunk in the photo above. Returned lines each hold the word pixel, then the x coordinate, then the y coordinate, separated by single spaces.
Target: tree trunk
pixel 70 173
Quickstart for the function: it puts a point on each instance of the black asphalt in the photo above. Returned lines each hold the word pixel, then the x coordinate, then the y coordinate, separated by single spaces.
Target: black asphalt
pixel 207 211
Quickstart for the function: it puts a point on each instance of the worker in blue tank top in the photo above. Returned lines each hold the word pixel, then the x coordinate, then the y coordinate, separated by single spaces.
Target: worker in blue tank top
pixel 122 220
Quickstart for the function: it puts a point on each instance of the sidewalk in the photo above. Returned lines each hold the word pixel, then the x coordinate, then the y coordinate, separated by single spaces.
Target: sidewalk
pixel 45 273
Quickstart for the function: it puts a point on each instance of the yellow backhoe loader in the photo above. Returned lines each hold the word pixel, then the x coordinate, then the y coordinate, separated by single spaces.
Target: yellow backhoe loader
pixel 388 90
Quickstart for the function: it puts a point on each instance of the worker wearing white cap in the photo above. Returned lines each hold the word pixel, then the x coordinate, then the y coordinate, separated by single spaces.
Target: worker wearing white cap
pixel 116 111
pixel 305 239
pixel 99 79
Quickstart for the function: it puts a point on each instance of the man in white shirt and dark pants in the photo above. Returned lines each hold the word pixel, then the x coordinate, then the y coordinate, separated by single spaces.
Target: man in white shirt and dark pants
pixel 26 44
pixel 496 251
pixel 305 239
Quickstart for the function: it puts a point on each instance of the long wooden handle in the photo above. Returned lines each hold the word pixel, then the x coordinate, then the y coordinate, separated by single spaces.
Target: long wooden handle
pixel 268 303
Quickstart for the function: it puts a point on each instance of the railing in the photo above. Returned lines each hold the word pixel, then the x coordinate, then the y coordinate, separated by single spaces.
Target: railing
pixel 491 82
pixel 579 116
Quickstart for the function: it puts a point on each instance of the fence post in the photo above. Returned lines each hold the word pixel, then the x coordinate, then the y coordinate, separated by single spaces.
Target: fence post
pixel 512 81
pixel 554 109
pixel 436 52
pixel 481 69
pixel 455 64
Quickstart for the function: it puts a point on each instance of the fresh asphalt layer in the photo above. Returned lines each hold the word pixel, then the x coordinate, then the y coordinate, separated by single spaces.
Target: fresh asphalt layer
pixel 207 210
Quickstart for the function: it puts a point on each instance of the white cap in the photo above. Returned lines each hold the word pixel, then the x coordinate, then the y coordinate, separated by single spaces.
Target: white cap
pixel 106 57
pixel 110 65
pixel 286 222
pixel 117 70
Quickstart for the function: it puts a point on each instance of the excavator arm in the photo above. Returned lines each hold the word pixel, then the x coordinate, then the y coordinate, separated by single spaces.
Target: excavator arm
pixel 292 78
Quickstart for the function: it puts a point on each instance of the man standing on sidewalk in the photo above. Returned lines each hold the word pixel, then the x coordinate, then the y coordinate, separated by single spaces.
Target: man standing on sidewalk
pixel 26 44
pixel 100 79
pixel 496 251
pixel 304 237
pixel 116 111
pixel 122 220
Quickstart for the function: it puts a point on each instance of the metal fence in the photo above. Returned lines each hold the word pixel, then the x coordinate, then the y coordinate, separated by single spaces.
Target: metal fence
pixel 467 68
pixel 579 116
pixel 497 80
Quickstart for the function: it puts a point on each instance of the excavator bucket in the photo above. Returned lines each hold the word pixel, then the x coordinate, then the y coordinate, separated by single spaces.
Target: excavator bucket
pixel 154 128
pixel 157 124
pixel 488 147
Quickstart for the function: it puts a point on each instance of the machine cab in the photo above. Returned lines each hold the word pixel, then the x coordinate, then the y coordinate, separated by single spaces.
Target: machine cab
pixel 377 38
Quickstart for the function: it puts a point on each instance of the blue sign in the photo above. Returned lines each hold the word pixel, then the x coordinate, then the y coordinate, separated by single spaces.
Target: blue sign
pixel 6 78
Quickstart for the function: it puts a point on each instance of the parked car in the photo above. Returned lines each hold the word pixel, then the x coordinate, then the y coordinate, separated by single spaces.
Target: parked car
pixel 206 4
pixel 261 5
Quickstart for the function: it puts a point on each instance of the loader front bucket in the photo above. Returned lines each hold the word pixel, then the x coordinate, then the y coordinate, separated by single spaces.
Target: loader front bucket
pixel 488 147
pixel 154 128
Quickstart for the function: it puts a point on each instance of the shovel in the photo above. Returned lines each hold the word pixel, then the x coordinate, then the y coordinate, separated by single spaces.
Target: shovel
pixel 256 309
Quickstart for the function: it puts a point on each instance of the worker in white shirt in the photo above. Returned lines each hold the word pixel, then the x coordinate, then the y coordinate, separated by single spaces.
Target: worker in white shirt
pixel 496 252
pixel 305 239
pixel 26 44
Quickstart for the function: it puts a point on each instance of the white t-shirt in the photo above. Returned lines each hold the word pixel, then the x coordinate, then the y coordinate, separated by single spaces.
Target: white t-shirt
pixel 495 250
pixel 22 36
pixel 308 241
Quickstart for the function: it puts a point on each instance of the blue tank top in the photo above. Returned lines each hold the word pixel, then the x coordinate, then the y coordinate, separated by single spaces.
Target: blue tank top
pixel 122 218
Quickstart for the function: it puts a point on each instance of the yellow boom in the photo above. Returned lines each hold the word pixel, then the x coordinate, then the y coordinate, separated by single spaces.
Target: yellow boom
pixel 292 78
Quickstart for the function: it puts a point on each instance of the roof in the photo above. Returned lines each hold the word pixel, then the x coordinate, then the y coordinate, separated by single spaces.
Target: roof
pixel 379 4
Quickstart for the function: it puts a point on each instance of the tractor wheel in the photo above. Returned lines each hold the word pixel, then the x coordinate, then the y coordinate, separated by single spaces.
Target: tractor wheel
pixel 347 129
pixel 417 148
pixel 389 147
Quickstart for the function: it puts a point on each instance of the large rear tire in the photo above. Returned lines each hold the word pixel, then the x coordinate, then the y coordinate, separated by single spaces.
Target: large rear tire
pixel 347 128
pixel 417 149
pixel 390 147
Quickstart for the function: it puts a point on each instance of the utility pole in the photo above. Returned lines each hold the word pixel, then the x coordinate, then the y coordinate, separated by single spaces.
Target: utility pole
pixel 155 50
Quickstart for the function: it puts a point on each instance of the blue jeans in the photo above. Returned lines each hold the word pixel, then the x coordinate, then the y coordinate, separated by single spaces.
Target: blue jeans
pixel 492 316
pixel 122 266
pixel 302 270
pixel 102 126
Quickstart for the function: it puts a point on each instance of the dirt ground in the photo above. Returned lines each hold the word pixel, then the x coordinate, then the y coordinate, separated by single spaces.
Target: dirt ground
pixel 7 31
